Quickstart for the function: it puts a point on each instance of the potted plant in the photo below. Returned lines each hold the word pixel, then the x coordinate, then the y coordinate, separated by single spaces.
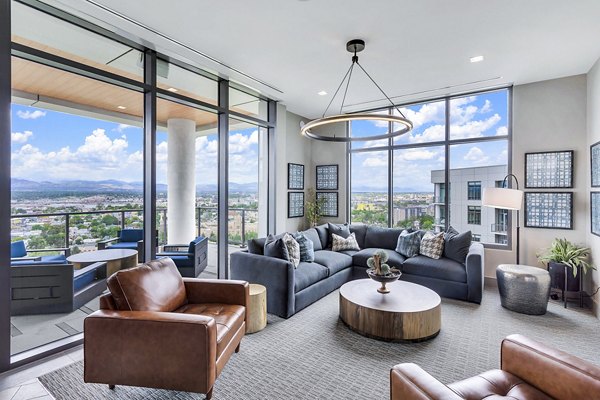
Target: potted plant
pixel 381 272
pixel 313 207
pixel 565 257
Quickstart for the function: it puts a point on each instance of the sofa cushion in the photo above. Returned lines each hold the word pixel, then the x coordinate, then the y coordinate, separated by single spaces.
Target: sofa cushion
pixel 55 259
pixel 154 286
pixel 444 268
pixel 342 230
pixel 383 238
pixel 307 251
pixel 123 245
pixel 340 244
pixel 360 232
pixel 409 243
pixel 312 235
pixel 307 274
pixel 293 249
pixel 275 247
pixel 332 260
pixel 17 249
pixel 131 235
pixel 432 245
pixel 182 261
pixel 228 318
pixel 257 246
pixel 323 234
pixel 395 260
pixel 456 245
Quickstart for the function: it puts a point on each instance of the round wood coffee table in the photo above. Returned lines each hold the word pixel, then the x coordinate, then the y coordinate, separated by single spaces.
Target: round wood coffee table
pixel 409 312
pixel 116 259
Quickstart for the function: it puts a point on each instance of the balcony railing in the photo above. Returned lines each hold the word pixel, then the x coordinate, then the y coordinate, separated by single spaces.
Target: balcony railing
pixel 206 215
pixel 499 228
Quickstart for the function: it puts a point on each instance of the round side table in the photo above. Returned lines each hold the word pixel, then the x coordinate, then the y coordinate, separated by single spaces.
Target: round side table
pixel 257 309
pixel 523 289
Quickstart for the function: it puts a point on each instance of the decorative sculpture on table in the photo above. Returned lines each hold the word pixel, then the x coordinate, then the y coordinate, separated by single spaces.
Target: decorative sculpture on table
pixel 381 272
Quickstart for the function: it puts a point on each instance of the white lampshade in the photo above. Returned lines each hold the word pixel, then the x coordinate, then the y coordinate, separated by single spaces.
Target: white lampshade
pixel 510 199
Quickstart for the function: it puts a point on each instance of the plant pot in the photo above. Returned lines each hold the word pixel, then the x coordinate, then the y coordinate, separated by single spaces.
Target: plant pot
pixel 557 277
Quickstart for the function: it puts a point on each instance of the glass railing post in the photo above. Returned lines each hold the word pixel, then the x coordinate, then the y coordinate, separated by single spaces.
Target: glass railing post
pixel 67 229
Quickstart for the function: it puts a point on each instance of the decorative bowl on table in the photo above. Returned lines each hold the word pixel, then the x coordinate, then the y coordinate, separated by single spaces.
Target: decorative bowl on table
pixel 384 279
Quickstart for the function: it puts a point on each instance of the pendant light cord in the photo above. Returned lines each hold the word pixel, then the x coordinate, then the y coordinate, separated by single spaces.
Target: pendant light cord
pixel 337 90
pixel 380 89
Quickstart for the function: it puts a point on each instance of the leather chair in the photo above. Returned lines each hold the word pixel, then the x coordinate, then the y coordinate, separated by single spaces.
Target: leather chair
pixel 529 370
pixel 156 329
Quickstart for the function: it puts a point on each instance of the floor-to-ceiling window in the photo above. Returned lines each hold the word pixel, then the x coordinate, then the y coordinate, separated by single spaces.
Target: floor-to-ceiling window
pixel 82 169
pixel 457 148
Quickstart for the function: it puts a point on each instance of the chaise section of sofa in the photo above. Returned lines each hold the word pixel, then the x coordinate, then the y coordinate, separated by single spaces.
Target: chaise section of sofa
pixel 290 289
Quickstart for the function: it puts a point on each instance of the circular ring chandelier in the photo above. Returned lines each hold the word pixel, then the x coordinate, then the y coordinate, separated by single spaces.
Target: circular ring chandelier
pixel 356 46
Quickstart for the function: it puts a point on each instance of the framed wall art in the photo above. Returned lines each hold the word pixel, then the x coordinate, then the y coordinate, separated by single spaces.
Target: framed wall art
pixel 595 212
pixel 295 204
pixel 595 164
pixel 327 177
pixel 552 169
pixel 330 203
pixel 549 210
pixel 295 176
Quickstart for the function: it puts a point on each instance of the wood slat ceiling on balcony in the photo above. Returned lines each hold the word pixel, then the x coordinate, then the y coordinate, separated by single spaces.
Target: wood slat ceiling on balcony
pixel 40 80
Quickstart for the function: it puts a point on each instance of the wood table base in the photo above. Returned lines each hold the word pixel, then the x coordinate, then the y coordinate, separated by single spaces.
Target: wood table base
pixel 392 316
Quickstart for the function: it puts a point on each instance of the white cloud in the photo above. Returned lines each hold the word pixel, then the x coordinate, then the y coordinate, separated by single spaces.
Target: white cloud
pixel 428 113
pixel 476 156
pixel 122 127
pixel 502 131
pixel 20 137
pixel 487 107
pixel 415 154
pixel 31 114
pixel 471 129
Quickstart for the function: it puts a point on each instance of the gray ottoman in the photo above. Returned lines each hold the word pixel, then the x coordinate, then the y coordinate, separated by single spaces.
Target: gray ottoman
pixel 523 289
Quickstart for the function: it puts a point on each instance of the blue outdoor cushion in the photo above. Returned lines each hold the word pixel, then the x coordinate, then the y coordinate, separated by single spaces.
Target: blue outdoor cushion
pixel 123 245
pixel 182 261
pixel 307 274
pixel 193 244
pixel 83 280
pixel 131 235
pixel 17 249
pixel 57 259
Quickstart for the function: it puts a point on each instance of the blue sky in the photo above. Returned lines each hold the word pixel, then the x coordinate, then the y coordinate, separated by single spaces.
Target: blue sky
pixel 483 115
pixel 53 146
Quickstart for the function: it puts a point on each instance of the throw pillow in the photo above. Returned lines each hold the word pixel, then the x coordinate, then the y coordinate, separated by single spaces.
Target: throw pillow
pixel 432 245
pixel 456 245
pixel 293 249
pixel 409 244
pixel 256 246
pixel 342 230
pixel 275 247
pixel 341 244
pixel 307 248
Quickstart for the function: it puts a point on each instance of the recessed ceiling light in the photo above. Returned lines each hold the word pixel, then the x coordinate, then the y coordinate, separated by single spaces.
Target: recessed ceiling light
pixel 322 93
pixel 121 107
pixel 172 89
pixel 476 59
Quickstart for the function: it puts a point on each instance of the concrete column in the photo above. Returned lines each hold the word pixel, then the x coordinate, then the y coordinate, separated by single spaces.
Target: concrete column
pixel 181 180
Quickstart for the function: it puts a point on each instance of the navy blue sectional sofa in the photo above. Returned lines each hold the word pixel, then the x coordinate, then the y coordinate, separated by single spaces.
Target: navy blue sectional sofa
pixel 290 289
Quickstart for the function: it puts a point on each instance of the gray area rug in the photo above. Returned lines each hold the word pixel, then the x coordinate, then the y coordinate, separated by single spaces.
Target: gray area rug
pixel 313 355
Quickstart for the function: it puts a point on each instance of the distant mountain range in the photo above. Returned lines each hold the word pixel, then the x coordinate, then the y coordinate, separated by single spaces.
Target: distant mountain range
pixel 111 185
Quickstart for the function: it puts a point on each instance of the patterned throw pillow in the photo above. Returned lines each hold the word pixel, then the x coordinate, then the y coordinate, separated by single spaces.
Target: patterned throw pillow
pixel 341 244
pixel 432 245
pixel 409 244
pixel 293 249
pixel 307 247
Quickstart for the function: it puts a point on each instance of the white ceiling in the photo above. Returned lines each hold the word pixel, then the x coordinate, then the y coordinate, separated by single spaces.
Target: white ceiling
pixel 415 49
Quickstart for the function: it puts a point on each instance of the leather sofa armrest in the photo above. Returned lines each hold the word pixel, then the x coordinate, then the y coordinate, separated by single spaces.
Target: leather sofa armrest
pixel 475 264
pixel 128 347
pixel 540 366
pixel 410 382
pixel 217 291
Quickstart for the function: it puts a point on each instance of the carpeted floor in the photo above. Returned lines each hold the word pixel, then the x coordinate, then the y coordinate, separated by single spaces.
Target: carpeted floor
pixel 313 355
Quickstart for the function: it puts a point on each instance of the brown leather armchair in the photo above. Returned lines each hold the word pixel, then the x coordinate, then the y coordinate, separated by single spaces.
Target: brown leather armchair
pixel 529 370
pixel 156 329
